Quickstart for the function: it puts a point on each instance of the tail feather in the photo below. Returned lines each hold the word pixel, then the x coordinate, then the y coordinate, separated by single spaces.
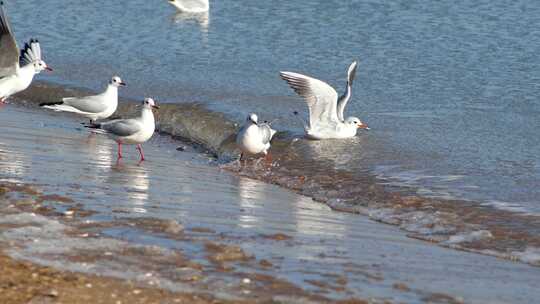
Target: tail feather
pixel 91 125
pixel 94 126
pixel 62 108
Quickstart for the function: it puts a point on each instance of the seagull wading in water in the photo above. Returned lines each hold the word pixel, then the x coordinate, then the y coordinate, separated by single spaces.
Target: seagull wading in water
pixel 94 107
pixel 17 69
pixel 253 137
pixel 133 131
pixel 191 6
pixel 326 110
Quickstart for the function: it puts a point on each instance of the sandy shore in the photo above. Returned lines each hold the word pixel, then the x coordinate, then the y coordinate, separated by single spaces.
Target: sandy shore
pixel 24 282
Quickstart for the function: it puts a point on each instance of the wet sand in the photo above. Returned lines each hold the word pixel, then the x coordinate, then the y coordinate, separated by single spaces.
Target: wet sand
pixel 24 282
pixel 179 223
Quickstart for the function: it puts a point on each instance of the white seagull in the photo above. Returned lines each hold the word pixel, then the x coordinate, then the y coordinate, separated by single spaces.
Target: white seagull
pixel 130 131
pixel 191 6
pixel 254 137
pixel 95 107
pixel 326 110
pixel 17 68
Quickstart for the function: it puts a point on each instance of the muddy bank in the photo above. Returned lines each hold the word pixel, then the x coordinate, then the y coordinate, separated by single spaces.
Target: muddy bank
pixel 314 169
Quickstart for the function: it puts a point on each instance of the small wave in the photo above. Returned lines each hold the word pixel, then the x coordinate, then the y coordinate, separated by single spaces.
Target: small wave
pixel 302 165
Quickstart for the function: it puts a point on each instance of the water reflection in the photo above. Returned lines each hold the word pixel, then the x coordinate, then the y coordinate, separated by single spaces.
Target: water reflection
pixel 100 151
pixel 339 153
pixel 13 165
pixel 249 192
pixel 265 206
pixel 202 19
pixel 135 183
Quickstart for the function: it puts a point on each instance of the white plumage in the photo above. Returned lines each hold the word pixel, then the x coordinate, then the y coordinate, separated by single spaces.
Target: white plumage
pixel 94 107
pixel 253 137
pixel 17 69
pixel 326 110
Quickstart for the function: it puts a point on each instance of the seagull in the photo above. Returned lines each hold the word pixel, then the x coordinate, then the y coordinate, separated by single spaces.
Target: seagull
pixel 17 68
pixel 326 110
pixel 95 107
pixel 254 137
pixel 130 131
pixel 191 6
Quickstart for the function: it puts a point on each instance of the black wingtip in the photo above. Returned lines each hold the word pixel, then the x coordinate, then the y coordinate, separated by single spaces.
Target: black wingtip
pixel 91 125
pixel 295 112
pixel 54 103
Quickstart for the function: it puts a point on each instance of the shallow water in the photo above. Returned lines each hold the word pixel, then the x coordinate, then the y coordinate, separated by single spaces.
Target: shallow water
pixel 123 215
pixel 452 87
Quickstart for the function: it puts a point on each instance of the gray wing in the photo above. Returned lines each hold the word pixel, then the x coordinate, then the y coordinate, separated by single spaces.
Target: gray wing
pixel 320 97
pixel 122 127
pixel 9 52
pixel 266 132
pixel 342 102
pixel 90 104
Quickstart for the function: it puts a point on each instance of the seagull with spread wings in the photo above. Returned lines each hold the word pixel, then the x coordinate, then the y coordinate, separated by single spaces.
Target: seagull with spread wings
pixel 326 110
pixel 17 67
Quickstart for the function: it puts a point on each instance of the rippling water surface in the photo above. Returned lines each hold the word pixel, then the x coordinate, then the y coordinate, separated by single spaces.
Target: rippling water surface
pixel 451 90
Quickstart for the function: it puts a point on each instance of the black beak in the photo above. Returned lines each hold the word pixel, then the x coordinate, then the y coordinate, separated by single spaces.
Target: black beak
pixel 155 106
pixel 123 84
pixel 48 69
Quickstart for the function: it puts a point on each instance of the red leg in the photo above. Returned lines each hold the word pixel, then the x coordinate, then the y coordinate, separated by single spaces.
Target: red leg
pixel 268 158
pixel 119 150
pixel 139 147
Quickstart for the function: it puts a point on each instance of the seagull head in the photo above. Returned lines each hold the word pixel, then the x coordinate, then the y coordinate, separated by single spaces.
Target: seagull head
pixel 252 118
pixel 117 81
pixel 40 65
pixel 354 121
pixel 150 104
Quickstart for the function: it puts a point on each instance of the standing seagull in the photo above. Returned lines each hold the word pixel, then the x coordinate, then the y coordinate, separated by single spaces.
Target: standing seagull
pixel 191 6
pixel 326 110
pixel 95 107
pixel 16 69
pixel 254 138
pixel 130 131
